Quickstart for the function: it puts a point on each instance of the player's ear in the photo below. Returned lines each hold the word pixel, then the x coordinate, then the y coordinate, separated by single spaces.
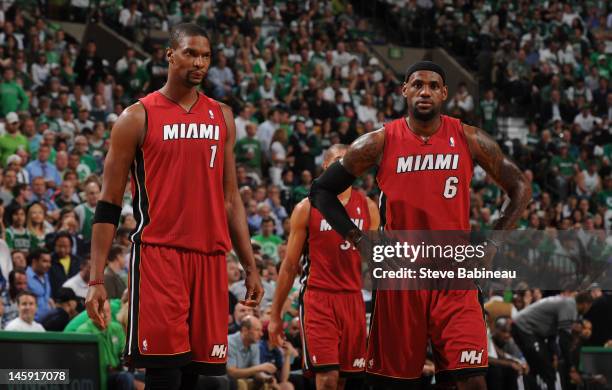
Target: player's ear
pixel 169 53
pixel 444 93
pixel 405 89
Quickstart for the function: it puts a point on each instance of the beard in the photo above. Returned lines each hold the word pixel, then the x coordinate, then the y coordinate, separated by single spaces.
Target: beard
pixel 424 116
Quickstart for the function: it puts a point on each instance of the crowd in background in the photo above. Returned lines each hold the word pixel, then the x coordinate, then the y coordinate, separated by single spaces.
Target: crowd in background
pixel 300 77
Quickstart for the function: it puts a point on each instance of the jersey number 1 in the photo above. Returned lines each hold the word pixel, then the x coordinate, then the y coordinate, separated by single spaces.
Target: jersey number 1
pixel 213 154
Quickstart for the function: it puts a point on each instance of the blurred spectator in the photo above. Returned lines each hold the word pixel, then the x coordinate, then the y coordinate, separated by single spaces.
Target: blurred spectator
pixel 243 355
pixel 64 264
pixel 462 100
pixel 114 273
pixel 550 317
pixel 112 344
pixel 17 235
pixel 89 65
pixel 41 167
pixel 65 309
pixel 85 211
pixel 506 362
pixel 17 282
pixel 37 226
pixel 78 283
pixel 268 240
pixel 221 76
pixel 248 149
pixel 13 140
pixel 25 321
pixel 281 358
pixel 240 312
pixel 39 282
pixel 12 96
pixel 303 147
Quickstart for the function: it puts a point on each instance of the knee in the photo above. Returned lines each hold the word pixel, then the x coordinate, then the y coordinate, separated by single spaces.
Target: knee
pixel 286 386
pixel 327 380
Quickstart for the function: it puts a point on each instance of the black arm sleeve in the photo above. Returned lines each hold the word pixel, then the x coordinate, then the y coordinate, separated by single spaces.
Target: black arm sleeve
pixel 324 197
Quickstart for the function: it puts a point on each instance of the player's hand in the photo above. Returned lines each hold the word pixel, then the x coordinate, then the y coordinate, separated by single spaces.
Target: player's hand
pixel 96 296
pixel 254 289
pixel 275 331
pixel 268 368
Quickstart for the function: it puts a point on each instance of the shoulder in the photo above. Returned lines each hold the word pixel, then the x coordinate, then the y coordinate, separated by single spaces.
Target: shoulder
pixel 302 208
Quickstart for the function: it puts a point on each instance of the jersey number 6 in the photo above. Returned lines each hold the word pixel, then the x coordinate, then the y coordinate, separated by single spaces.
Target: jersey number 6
pixel 450 188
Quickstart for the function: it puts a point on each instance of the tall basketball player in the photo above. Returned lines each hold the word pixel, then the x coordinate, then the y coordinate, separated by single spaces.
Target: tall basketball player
pixel 177 144
pixel 332 311
pixel 424 197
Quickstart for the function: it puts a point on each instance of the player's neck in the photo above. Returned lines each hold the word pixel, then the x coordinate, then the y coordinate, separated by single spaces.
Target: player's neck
pixel 345 196
pixel 423 128
pixel 184 95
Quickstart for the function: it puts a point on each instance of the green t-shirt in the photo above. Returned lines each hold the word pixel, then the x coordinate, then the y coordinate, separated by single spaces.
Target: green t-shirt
pixel 242 149
pixel 299 193
pixel 81 318
pixel 605 198
pixel 112 341
pixel 86 215
pixel 20 239
pixel 488 112
pixel 90 162
pixel 565 165
pixel 12 98
pixel 269 245
pixel 9 144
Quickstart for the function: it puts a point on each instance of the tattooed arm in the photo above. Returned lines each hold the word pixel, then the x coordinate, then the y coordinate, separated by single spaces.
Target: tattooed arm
pixel 363 154
pixel 504 172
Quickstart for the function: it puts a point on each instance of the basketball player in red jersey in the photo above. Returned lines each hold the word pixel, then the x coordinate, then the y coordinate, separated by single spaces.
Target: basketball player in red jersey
pixel 332 311
pixel 425 167
pixel 177 144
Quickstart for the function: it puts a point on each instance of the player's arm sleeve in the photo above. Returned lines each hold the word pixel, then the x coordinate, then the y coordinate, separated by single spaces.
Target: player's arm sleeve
pixel 324 196
pixel 362 155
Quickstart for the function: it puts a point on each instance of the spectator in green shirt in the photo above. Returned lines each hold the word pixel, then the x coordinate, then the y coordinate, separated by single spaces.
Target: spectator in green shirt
pixel 112 342
pixel 564 163
pixel 13 140
pixel 301 191
pixel 564 168
pixel 605 196
pixel 12 95
pixel 248 149
pixel 268 240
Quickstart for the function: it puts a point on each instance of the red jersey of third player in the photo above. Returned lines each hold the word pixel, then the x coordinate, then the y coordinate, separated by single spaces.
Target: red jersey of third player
pixel 333 264
pixel 426 184
pixel 177 176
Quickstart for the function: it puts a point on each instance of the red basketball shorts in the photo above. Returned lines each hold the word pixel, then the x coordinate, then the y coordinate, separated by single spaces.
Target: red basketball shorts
pixel 333 331
pixel 404 322
pixel 178 309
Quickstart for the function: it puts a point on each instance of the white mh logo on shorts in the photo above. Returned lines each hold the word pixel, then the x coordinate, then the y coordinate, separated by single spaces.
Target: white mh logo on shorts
pixel 359 363
pixel 471 356
pixel 219 351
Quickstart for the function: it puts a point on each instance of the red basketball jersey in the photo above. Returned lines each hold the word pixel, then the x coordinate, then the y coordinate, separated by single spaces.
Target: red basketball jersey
pixel 332 263
pixel 425 185
pixel 177 176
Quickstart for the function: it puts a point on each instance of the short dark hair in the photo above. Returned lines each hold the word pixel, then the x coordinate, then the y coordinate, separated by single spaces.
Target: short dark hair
pixel 185 30
pixel 114 252
pixel 268 219
pixel 584 297
pixel 23 293
pixel 62 234
pixel 12 280
pixel 35 254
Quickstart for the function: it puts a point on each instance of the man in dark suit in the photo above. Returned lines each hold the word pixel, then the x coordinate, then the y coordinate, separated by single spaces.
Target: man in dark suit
pixel 556 109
